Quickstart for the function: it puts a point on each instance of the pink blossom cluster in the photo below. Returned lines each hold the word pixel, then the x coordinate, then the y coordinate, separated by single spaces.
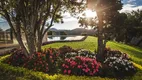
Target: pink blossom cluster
pixel 80 66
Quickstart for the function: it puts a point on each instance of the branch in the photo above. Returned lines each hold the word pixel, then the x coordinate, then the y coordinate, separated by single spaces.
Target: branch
pixel 45 18
pixel 53 17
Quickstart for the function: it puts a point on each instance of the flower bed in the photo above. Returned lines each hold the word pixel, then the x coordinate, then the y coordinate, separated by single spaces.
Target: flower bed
pixel 71 61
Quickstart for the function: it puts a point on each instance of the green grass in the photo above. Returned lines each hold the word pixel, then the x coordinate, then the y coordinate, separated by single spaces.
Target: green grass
pixel 91 44
pixel 134 52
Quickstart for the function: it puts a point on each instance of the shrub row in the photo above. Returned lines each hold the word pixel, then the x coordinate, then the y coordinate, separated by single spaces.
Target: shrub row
pixel 70 61
pixel 23 73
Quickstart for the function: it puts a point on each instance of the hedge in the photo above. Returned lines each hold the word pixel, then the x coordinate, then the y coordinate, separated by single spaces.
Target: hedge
pixel 29 74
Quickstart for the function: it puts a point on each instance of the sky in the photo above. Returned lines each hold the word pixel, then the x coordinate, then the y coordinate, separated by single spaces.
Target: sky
pixel 72 23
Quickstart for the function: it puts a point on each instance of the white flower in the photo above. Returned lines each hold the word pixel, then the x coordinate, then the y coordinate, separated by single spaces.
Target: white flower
pixel 132 66
pixel 110 64
pixel 116 67
pixel 114 62
pixel 126 69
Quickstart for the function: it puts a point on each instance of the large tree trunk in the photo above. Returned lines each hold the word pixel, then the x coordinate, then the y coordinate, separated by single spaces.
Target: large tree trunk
pixel 30 39
pixel 20 41
pixel 22 45
pixel 100 49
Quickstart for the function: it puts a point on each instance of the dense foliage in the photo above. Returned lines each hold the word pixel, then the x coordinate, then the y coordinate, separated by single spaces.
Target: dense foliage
pixel 80 66
pixel 118 64
pixel 17 58
pixel 28 18
pixel 67 60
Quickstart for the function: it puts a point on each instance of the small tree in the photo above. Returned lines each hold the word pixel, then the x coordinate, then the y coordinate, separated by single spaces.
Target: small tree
pixel 30 17
pixel 106 11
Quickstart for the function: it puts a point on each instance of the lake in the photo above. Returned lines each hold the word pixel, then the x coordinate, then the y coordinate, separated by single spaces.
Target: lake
pixel 64 38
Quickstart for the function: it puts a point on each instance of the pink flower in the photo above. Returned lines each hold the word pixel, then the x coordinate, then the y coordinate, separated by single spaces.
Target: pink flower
pixel 73 63
pixel 69 71
pixel 86 70
pixel 91 73
pixel 79 66
pixel 66 66
pixel 94 71
pixel 65 71
pixel 51 57
pixel 63 65
pixel 92 66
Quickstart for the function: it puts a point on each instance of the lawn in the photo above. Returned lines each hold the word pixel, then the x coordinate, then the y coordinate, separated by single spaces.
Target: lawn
pixel 91 44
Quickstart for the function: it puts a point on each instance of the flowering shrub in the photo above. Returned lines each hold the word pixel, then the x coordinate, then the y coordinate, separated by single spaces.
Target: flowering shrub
pixel 115 53
pixel 71 55
pixel 66 49
pixel 80 66
pixel 86 53
pixel 44 61
pixel 81 52
pixel 121 67
pixel 52 58
pixel 37 62
pixel 17 58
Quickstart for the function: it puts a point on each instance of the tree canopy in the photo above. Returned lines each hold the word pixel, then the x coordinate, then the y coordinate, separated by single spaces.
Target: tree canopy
pixel 30 17
pixel 107 11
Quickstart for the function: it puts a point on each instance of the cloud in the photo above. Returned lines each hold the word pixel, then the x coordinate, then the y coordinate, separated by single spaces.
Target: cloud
pixel 129 1
pixel 67 17
pixel 130 7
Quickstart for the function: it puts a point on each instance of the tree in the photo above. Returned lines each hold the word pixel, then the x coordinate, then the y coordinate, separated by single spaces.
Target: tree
pixel 30 17
pixel 106 11
pixel 127 26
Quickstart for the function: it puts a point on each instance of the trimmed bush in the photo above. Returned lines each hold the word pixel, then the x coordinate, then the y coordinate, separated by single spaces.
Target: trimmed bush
pixel 117 64
pixel 80 66
pixel 17 72
pixel 37 62
pixel 52 58
pixel 115 53
pixel 17 58
pixel 45 61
